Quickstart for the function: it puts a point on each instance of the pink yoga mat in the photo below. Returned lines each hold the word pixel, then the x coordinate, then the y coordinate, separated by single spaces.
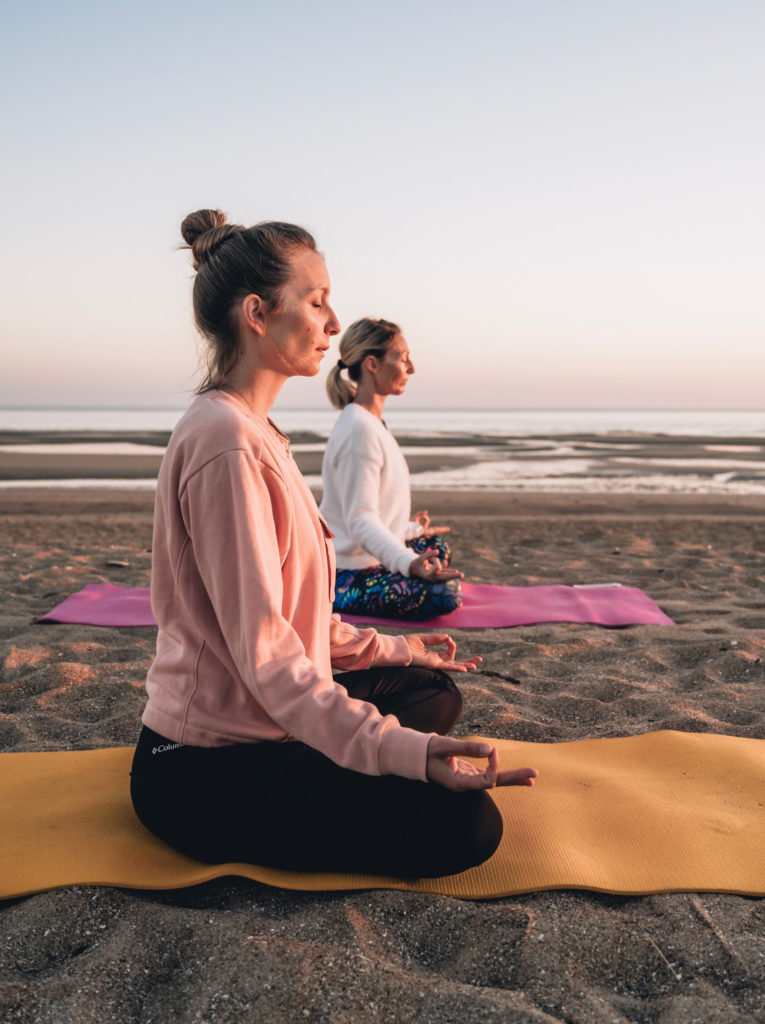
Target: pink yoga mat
pixel 103 604
pixel 487 606
pixel 484 606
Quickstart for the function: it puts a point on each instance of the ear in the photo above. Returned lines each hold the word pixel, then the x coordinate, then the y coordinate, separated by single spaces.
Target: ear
pixel 253 310
pixel 372 364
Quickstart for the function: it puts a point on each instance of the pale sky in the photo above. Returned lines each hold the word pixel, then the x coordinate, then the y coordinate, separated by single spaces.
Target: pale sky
pixel 560 202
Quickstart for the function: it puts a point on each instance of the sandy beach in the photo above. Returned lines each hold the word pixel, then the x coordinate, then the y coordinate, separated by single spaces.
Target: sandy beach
pixel 234 951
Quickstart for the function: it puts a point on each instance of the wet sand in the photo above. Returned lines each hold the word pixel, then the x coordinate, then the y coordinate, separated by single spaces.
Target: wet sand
pixel 234 951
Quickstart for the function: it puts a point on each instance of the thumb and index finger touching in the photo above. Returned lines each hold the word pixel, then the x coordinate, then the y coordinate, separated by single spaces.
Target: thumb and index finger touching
pixel 443 747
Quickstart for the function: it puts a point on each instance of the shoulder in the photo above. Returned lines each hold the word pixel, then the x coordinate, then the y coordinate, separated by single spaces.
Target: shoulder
pixel 213 427
pixel 346 418
pixel 362 424
pixel 356 433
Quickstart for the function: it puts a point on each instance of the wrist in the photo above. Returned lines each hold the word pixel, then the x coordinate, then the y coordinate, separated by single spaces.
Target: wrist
pixel 411 651
pixel 406 563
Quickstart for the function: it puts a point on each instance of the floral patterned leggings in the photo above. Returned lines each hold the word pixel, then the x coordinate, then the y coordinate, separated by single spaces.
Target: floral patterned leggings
pixel 378 592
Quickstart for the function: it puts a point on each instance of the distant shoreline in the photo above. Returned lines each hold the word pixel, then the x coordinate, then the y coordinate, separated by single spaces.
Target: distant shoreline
pixel 434 437
pixel 466 462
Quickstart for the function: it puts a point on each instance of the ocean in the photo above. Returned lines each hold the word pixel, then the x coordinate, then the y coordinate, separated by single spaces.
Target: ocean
pixel 553 451
pixel 463 422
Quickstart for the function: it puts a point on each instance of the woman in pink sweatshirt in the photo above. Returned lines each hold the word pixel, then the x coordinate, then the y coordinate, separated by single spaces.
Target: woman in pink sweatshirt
pixel 250 749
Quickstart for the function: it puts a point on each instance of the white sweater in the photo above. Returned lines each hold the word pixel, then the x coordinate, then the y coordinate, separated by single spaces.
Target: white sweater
pixel 367 501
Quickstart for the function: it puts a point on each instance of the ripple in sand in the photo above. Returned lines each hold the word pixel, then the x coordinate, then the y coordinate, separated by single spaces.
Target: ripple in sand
pixel 19 657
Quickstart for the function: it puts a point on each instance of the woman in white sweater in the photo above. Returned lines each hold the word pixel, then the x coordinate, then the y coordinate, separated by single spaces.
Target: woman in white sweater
pixel 389 563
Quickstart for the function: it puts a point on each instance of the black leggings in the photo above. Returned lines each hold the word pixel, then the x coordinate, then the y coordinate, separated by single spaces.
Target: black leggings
pixel 286 805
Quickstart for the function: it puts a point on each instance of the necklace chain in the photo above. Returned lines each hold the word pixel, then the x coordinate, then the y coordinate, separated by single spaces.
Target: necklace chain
pixel 279 433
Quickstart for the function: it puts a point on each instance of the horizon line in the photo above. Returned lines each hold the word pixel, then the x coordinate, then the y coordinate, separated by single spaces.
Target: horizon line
pixel 418 408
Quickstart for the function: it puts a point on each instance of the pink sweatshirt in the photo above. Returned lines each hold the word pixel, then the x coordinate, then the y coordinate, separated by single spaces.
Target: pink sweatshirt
pixel 242 577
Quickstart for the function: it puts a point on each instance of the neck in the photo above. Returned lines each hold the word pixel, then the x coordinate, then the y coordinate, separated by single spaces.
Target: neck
pixel 367 397
pixel 258 388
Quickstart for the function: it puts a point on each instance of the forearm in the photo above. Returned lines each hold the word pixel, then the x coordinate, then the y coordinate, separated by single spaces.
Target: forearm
pixel 352 648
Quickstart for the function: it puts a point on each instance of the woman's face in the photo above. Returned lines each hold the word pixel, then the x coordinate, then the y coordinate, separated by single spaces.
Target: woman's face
pixel 395 368
pixel 297 333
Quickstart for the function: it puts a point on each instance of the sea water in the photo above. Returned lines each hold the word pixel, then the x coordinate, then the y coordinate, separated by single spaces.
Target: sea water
pixel 574 451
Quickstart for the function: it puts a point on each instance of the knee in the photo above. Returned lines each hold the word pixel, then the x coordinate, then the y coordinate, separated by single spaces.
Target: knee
pixel 447 698
pixel 434 599
pixel 442 546
pixel 452 596
pixel 420 678
pixel 487 830
pixel 475 832
pixel 444 682
pixel 482 832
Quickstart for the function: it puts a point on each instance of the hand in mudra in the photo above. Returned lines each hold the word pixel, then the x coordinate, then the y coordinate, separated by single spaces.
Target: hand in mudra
pixel 428 566
pixel 445 765
pixel 422 646
pixel 423 519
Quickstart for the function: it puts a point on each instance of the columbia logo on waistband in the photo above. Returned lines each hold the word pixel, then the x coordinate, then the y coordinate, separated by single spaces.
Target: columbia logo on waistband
pixel 164 747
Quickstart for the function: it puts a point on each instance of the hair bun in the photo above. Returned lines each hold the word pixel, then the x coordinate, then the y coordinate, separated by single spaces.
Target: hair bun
pixel 205 231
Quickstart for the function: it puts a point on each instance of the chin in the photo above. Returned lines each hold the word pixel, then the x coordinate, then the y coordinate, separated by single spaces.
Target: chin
pixel 308 368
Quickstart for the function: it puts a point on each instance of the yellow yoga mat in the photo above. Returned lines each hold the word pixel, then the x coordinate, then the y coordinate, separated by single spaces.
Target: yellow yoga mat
pixel 662 812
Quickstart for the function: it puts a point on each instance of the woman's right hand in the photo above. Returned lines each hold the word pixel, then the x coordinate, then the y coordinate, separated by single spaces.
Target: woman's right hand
pixel 446 767
pixel 436 531
pixel 423 521
pixel 428 566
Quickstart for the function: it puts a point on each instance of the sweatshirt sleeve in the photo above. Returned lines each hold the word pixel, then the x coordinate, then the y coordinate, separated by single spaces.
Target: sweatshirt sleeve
pixel 352 648
pixel 359 492
pixel 412 530
pixel 237 514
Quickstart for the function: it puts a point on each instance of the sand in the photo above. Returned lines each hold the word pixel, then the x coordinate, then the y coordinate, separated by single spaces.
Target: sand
pixel 234 951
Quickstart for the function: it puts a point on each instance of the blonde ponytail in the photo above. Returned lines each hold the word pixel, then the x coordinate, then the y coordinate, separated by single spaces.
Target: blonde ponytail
pixel 340 390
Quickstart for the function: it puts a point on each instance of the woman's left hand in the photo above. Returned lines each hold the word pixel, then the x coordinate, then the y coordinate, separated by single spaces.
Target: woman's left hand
pixel 421 644
pixel 446 766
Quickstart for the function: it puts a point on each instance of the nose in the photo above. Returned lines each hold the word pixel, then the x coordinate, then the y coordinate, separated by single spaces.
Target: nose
pixel 332 325
pixel 410 368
